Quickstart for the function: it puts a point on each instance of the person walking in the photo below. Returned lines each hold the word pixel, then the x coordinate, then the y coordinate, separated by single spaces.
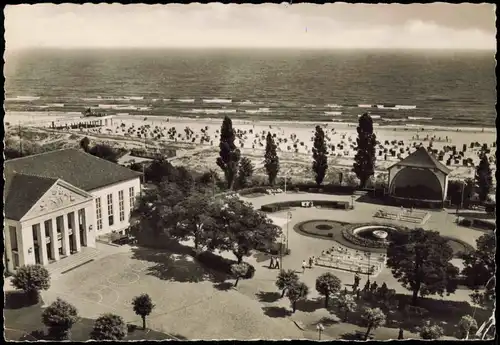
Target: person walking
pixel 271 263
pixel 304 266
pixel 310 262
pixel 277 263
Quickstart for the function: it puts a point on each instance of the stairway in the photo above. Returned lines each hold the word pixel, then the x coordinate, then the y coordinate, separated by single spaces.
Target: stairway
pixel 58 267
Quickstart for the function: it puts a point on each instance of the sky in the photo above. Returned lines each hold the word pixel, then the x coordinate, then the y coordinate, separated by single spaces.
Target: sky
pixel 215 25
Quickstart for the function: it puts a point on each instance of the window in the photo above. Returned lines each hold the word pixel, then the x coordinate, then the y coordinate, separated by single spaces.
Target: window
pixel 47 225
pixel 98 211
pixel 132 197
pixel 13 237
pixel 35 228
pixel 111 219
pixel 121 205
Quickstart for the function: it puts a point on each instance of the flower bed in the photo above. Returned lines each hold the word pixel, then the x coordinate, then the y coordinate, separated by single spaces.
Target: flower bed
pixel 319 227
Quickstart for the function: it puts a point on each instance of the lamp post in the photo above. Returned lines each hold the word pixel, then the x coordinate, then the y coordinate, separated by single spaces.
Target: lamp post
pixel 320 329
pixel 461 205
pixel 289 217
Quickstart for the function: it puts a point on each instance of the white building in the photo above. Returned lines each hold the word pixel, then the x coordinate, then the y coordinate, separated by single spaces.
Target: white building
pixel 59 201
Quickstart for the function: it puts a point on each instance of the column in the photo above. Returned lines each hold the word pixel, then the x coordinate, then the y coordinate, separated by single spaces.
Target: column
pixel 54 241
pixel 76 232
pixel 42 245
pixel 65 236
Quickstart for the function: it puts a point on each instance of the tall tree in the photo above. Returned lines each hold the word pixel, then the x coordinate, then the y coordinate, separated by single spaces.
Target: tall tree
pixel 271 159
pixel 229 154
pixel 109 327
pixel 320 155
pixel 59 317
pixel 286 279
pixel 161 170
pixel 483 177
pixel 84 144
pixel 364 160
pixel 241 228
pixel 373 318
pixel 420 261
pixel 245 171
pixel 466 325
pixel 296 292
pixel 479 269
pixel 143 306
pixel 328 284
pixel 31 279
pixel 193 218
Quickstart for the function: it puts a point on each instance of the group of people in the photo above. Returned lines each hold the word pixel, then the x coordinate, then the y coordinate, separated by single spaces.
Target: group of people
pixel 274 263
pixel 310 261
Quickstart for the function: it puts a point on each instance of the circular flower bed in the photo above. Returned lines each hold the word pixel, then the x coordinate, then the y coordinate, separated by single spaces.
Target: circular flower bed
pixel 324 227
pixel 321 227
pixel 369 235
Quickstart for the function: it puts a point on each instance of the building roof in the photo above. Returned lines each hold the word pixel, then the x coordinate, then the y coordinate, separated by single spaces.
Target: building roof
pixel 74 166
pixel 423 159
pixel 22 192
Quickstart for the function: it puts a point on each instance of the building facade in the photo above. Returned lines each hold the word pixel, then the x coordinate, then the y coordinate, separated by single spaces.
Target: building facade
pixel 60 201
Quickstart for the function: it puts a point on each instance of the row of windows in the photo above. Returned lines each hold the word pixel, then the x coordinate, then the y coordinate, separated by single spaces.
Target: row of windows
pixel 121 204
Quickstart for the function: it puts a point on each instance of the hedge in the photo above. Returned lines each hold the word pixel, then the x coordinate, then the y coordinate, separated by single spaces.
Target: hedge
pixel 407 203
pixel 309 188
pixel 279 206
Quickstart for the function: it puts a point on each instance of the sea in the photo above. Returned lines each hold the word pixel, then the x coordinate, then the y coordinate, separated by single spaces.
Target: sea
pixel 408 88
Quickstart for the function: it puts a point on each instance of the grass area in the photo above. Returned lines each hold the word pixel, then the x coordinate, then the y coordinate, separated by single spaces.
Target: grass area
pixel 458 246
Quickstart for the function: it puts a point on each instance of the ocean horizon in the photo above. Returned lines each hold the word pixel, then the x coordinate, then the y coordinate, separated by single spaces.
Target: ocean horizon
pixel 397 87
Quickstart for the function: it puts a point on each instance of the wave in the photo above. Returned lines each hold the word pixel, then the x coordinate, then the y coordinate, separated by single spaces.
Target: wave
pixel 23 98
pixel 309 106
pixel 56 105
pixel 333 106
pixel 134 98
pixel 209 111
pixel 333 113
pixel 406 107
pixel 166 99
pixel 258 111
pixel 416 118
pixel 365 106
pixel 122 107
pixel 247 102
pixel 217 100
pixel 186 100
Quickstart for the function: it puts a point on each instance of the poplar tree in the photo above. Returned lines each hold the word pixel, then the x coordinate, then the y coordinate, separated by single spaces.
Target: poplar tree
pixel 364 161
pixel 320 152
pixel 271 159
pixel 483 177
pixel 229 154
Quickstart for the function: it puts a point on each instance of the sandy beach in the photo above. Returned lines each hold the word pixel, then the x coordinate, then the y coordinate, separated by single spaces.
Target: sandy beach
pixel 294 139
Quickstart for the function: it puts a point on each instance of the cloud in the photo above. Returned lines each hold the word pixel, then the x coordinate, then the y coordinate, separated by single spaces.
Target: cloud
pixel 218 25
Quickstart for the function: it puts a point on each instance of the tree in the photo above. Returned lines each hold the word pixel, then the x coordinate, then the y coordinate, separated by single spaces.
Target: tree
pixel 136 167
pixel 241 228
pixel 193 218
pixel 271 159
pixel 467 324
pixel 296 292
pixel 364 160
pixel 31 279
pixel 59 317
pixel 328 284
pixel 420 261
pixel 320 158
pixel 373 318
pixel 229 154
pixel 84 144
pixel 161 170
pixel 109 327
pixel 431 332
pixel 484 178
pixel 239 271
pixel 105 152
pixel 479 269
pixel 346 304
pixel 286 279
pixel 143 306
pixel 245 171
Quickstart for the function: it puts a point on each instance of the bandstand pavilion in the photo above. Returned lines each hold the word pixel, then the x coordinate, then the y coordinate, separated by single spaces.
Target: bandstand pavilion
pixel 420 176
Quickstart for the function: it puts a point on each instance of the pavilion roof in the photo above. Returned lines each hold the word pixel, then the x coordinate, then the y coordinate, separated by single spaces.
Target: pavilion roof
pixel 422 158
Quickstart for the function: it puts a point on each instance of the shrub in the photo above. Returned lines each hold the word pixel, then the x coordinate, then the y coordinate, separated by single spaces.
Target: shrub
pixel 109 327
pixel 431 332
pixel 59 317
pixel 31 279
pixel 467 325
pixel 466 222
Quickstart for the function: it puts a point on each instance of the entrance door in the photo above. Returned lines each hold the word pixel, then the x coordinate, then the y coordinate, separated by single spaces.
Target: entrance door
pixel 49 252
pixel 82 238
pixel 37 255
pixel 71 243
